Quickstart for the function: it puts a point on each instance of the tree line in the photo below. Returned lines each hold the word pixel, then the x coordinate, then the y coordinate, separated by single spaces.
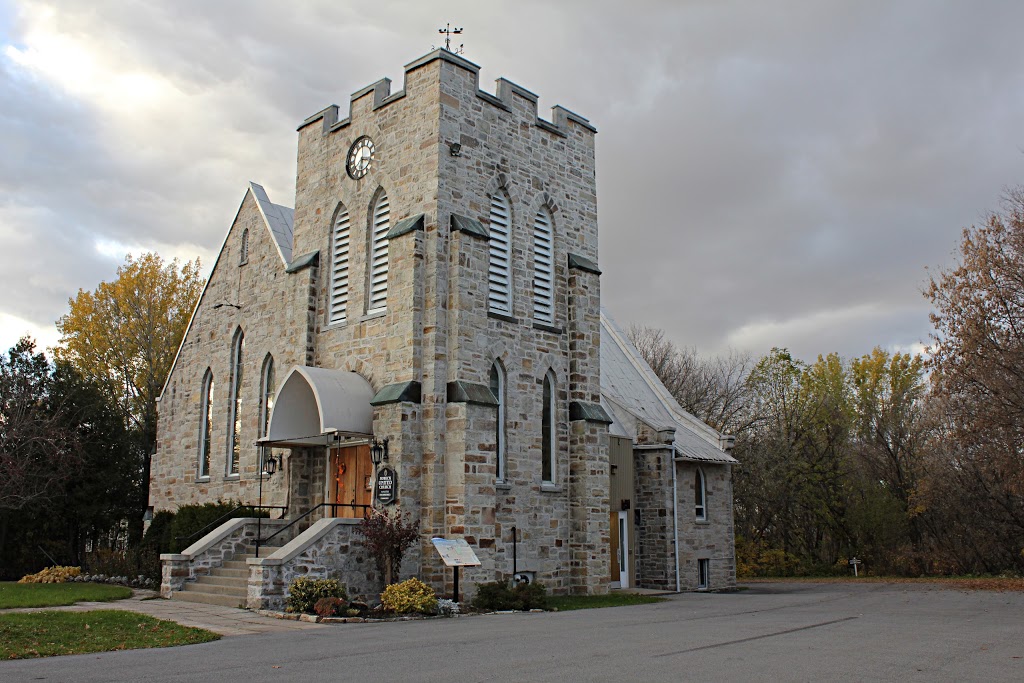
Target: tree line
pixel 77 432
pixel 913 463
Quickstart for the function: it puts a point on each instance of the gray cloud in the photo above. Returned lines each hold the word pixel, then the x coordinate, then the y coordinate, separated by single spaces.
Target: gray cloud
pixel 769 174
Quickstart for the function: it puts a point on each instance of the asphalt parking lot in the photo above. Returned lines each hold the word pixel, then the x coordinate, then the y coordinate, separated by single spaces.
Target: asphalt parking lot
pixel 769 632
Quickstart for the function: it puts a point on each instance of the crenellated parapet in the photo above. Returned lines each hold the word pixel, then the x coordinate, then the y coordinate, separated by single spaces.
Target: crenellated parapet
pixel 507 97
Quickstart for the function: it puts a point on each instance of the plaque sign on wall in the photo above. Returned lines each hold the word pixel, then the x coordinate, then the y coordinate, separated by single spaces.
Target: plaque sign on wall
pixel 387 486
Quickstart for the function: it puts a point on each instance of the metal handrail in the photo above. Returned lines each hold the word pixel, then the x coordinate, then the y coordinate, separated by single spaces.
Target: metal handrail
pixel 334 506
pixel 230 515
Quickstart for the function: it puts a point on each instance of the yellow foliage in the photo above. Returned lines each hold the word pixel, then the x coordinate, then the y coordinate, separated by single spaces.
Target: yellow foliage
pixel 409 596
pixel 52 575
pixel 126 332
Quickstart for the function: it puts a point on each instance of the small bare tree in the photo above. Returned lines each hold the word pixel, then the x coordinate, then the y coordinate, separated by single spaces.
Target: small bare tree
pixel 712 389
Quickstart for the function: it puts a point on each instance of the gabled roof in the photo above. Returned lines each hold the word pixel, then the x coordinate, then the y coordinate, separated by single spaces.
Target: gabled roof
pixel 631 391
pixel 280 222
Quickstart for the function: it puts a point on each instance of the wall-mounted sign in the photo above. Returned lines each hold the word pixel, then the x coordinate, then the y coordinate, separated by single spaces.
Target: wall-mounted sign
pixel 387 486
pixel 455 552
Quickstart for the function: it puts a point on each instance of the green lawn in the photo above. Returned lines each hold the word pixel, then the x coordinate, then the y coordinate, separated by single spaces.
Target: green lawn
pixel 46 634
pixel 568 602
pixel 56 594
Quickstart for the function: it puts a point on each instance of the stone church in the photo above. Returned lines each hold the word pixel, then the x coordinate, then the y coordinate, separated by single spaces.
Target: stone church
pixel 430 312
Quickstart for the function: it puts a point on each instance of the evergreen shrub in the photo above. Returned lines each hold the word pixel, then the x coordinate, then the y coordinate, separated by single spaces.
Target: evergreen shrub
pixel 304 593
pixel 504 595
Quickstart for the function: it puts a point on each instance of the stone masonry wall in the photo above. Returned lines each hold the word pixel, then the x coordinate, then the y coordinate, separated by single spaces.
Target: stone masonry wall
pixel 655 561
pixel 272 311
pixel 713 538
pixel 338 554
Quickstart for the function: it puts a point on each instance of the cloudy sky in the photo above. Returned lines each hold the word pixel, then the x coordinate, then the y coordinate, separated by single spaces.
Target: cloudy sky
pixel 769 173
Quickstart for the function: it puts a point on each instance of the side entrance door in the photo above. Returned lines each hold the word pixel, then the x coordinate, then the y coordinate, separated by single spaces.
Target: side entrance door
pixel 350 480
pixel 620 549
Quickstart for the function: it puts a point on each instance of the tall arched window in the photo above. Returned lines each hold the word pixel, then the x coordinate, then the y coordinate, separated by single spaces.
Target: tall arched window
pixel 548 435
pixel 268 386
pixel 378 299
pixel 235 406
pixel 543 268
pixel 206 425
pixel 499 294
pixel 339 267
pixel 700 495
pixel 243 256
pixel 498 389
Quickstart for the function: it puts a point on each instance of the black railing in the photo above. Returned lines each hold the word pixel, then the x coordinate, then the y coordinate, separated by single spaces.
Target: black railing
pixel 334 510
pixel 186 541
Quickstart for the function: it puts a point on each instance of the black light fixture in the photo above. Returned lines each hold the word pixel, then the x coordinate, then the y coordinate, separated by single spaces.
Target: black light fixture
pixel 379 451
pixel 455 148
pixel 270 466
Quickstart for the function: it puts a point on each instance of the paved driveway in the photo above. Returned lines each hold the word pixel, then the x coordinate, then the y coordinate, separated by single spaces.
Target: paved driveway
pixel 783 632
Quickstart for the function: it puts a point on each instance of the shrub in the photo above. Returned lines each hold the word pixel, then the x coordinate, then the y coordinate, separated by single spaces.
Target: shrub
pixel 387 536
pixel 138 561
pixel 502 595
pixel 447 608
pixel 304 593
pixel 409 596
pixel 159 536
pixel 329 607
pixel 52 575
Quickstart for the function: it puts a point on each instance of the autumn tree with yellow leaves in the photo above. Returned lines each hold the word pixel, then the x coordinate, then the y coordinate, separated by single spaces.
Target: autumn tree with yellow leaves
pixel 125 333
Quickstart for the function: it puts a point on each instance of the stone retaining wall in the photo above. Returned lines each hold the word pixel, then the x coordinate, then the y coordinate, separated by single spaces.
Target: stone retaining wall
pixel 329 549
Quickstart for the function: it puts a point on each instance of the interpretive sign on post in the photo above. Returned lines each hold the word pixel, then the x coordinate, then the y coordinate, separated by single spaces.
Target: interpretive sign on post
pixel 456 553
pixel 386 486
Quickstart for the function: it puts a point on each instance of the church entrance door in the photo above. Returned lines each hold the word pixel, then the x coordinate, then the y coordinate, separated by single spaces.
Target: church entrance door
pixel 351 481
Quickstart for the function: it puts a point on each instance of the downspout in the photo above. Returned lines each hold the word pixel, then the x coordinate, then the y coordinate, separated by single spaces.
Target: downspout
pixel 675 517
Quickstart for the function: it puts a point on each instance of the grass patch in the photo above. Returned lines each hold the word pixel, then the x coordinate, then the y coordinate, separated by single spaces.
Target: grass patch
pixel 47 634
pixel 56 594
pixel 568 602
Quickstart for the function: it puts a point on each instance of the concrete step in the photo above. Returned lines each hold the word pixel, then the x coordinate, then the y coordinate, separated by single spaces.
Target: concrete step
pixel 209 598
pixel 230 573
pixel 237 563
pixel 229 581
pixel 197 587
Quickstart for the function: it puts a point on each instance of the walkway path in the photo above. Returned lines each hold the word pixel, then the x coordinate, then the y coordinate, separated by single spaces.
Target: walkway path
pixel 227 621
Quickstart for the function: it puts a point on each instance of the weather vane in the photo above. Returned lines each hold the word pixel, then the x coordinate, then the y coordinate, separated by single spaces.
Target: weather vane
pixel 448 32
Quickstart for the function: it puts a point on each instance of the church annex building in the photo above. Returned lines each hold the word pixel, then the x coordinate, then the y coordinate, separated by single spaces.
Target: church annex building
pixel 435 291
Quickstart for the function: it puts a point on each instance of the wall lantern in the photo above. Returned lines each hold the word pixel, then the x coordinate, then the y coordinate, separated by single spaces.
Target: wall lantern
pixel 379 451
pixel 455 148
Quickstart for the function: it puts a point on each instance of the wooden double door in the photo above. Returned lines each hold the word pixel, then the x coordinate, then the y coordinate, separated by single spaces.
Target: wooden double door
pixel 350 481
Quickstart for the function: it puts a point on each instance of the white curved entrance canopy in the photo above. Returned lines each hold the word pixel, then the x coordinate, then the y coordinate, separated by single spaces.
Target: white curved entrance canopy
pixel 316 406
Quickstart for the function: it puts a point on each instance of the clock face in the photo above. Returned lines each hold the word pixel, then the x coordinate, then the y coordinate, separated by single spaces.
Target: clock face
pixel 360 156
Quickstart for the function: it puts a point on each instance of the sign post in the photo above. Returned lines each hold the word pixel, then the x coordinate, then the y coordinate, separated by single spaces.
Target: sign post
pixel 854 562
pixel 456 553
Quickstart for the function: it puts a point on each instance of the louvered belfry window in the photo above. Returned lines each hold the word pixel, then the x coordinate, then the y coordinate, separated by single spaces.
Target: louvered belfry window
pixel 499 298
pixel 379 255
pixel 339 268
pixel 543 265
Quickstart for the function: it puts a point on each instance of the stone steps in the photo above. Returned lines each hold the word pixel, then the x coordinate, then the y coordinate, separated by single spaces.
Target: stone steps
pixel 227 585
